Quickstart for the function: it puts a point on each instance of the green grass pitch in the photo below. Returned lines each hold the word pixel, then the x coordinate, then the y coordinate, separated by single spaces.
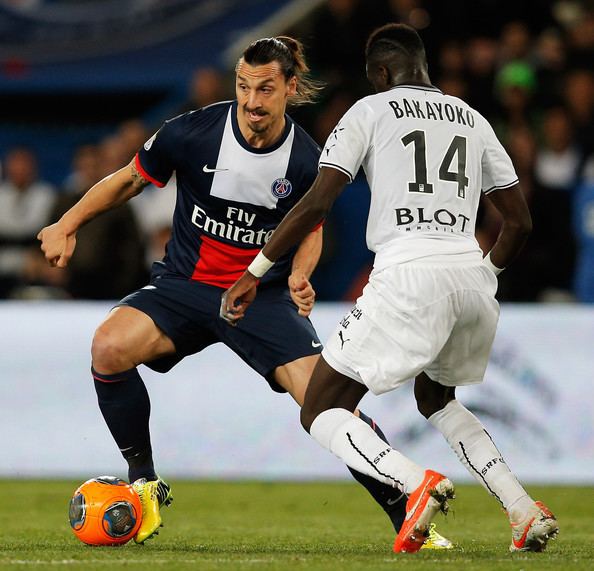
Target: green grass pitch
pixel 278 526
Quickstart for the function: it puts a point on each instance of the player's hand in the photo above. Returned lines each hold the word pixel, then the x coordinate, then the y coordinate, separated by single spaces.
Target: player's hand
pixel 302 293
pixel 57 245
pixel 236 300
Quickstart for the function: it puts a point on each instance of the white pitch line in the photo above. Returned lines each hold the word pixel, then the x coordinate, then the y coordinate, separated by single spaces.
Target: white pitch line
pixel 127 561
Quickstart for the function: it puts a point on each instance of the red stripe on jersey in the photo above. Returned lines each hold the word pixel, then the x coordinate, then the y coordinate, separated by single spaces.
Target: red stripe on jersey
pixel 145 174
pixel 221 264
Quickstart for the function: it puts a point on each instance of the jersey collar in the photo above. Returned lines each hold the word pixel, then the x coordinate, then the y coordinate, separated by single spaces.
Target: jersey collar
pixel 419 87
pixel 241 139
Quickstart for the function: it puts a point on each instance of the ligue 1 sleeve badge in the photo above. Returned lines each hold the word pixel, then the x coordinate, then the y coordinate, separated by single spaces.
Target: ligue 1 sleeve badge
pixel 281 188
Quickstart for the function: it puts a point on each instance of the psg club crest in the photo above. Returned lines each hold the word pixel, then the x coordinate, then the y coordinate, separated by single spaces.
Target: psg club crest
pixel 281 188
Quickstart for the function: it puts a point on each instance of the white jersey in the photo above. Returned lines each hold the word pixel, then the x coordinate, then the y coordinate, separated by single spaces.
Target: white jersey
pixel 427 157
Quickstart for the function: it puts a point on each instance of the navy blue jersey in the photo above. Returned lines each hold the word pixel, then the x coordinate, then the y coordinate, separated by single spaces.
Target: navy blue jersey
pixel 230 196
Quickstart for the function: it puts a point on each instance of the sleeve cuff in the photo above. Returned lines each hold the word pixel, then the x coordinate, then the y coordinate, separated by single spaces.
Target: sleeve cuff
pixel 338 168
pixel 146 175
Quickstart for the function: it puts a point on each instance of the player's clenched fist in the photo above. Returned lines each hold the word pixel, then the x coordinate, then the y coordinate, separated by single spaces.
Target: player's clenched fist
pixel 57 245
pixel 302 293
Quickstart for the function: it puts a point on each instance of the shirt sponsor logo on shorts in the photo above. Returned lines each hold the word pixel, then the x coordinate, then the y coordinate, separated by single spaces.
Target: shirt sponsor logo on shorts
pixel 281 187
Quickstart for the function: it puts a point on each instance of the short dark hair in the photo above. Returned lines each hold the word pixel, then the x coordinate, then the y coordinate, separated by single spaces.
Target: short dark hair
pixel 288 52
pixel 394 38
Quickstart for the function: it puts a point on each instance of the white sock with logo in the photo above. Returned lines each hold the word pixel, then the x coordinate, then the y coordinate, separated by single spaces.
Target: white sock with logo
pixel 356 444
pixel 475 449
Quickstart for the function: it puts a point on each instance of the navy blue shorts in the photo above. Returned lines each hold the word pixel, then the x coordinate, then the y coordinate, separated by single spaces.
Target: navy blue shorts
pixel 271 334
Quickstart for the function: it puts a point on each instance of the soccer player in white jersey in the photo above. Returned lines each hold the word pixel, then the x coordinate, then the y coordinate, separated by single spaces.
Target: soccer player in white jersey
pixel 429 310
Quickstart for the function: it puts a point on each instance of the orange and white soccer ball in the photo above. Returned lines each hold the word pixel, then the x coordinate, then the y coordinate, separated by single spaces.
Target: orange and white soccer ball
pixel 105 511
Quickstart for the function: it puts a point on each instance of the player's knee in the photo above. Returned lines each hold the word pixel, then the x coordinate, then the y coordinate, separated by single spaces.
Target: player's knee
pixel 307 417
pixel 426 406
pixel 430 403
pixel 431 397
pixel 107 351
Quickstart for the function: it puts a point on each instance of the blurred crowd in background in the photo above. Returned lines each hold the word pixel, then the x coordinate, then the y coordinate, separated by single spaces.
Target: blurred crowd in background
pixel 528 66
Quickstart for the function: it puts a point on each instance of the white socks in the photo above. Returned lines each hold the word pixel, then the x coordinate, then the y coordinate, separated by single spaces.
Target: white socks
pixel 475 449
pixel 356 444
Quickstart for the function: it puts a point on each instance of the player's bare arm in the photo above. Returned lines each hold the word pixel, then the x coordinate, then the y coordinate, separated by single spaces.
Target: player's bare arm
pixel 308 212
pixel 305 260
pixel 58 240
pixel 516 227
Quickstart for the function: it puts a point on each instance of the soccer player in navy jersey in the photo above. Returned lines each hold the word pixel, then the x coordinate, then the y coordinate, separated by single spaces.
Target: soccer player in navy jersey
pixel 240 167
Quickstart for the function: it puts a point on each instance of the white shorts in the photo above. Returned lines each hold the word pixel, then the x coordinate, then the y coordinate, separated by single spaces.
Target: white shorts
pixel 413 318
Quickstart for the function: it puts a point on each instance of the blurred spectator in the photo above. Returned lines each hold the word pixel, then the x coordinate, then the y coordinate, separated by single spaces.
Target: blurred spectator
pixel 515 42
pixel 554 177
pixel 452 70
pixel 330 114
pixel 451 58
pixel 154 211
pixel 411 12
pixel 25 203
pixel 153 208
pixel 132 135
pixel 454 85
pixel 207 86
pixel 581 40
pixel 86 170
pixel 583 218
pixel 558 159
pixel 481 58
pixel 520 282
pixel 579 98
pixel 339 30
pixel 550 57
pixel 114 154
pixel 515 84
pixel 109 258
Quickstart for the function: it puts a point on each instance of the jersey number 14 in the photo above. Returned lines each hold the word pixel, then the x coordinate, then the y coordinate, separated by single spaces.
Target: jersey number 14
pixel 457 148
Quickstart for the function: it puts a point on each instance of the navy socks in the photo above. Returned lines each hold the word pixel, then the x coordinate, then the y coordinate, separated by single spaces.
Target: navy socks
pixel 125 405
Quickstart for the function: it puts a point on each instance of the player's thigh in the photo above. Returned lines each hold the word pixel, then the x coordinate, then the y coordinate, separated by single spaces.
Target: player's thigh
pixel 129 334
pixel 400 324
pixel 382 346
pixel 273 335
pixel 328 388
pixel 464 357
pixel 294 376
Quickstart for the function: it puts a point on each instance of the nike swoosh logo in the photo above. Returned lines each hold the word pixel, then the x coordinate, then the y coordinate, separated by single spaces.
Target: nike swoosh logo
pixel 206 169
pixel 411 512
pixel 392 502
pixel 521 542
pixel 315 345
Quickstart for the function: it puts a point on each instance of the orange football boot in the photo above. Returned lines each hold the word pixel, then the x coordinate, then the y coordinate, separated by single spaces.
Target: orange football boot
pixel 422 505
